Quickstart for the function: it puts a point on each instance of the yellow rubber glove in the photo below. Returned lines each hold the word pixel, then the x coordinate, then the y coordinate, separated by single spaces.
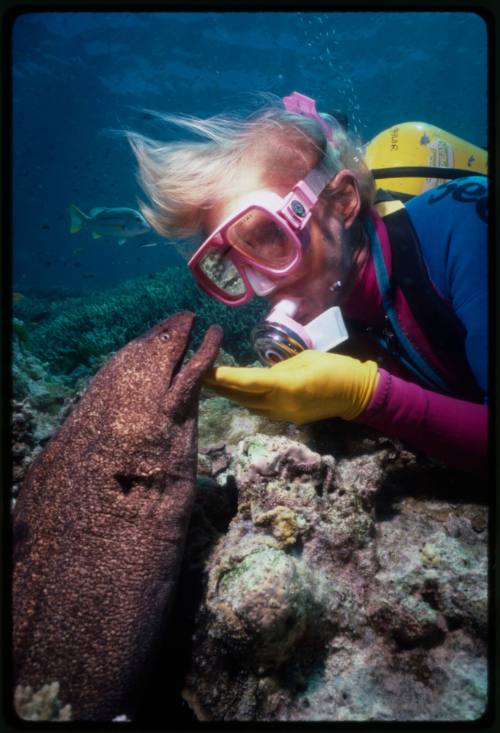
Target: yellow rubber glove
pixel 312 385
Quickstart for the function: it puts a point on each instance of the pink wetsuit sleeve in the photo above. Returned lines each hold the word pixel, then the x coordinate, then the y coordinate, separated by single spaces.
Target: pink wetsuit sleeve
pixel 444 427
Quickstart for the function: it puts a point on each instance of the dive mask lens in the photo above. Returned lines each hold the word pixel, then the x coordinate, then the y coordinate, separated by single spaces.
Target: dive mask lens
pixel 222 273
pixel 261 238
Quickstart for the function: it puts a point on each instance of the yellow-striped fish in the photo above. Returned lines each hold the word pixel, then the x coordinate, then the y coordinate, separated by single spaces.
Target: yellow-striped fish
pixel 103 222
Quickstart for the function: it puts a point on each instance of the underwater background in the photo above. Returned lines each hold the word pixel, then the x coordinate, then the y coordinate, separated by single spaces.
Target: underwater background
pixel 404 542
pixel 77 78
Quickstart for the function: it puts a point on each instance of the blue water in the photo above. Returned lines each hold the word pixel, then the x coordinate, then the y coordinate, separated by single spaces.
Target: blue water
pixel 77 76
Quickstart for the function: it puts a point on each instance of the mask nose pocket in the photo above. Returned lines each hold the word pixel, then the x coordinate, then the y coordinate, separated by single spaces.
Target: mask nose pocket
pixel 261 285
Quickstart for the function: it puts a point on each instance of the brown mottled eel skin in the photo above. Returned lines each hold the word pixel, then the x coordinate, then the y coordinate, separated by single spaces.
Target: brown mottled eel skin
pixel 100 524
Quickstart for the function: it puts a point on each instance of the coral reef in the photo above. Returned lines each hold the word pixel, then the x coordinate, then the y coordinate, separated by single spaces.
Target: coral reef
pixel 37 306
pixel 24 445
pixel 42 704
pixel 31 377
pixel 76 331
pixel 333 594
pixel 40 402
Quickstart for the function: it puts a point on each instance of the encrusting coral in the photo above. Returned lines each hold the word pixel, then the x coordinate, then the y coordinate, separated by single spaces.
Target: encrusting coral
pixel 43 704
pixel 325 599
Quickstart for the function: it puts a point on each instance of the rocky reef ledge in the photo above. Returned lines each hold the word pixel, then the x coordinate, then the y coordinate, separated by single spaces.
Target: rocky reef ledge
pixel 341 577
pixel 330 573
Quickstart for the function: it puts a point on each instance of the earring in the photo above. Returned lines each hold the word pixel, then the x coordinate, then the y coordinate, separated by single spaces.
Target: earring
pixel 336 286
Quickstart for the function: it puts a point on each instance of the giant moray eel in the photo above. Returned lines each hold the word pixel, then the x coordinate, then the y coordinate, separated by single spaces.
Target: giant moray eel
pixel 100 524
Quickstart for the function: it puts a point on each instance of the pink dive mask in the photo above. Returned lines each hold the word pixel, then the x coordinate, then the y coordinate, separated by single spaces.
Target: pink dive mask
pixel 267 235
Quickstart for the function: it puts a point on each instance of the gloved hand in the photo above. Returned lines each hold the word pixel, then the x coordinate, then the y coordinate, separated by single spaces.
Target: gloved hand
pixel 312 385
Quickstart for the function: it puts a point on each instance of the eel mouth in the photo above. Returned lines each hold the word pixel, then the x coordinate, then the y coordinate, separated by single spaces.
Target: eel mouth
pixel 177 354
pixel 182 359
pixel 178 329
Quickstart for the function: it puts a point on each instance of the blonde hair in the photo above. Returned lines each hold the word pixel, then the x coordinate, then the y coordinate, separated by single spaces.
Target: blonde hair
pixel 185 178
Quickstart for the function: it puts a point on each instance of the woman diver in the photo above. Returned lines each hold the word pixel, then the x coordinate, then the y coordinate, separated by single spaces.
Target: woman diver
pixel 289 211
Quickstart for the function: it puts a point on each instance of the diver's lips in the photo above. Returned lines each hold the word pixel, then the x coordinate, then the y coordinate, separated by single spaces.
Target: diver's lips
pixel 301 317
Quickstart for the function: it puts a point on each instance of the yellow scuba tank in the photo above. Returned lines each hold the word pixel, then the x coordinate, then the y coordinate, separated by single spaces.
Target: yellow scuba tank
pixel 402 158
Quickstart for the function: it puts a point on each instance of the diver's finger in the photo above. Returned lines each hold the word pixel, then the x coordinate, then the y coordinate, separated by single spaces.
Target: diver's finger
pixel 247 379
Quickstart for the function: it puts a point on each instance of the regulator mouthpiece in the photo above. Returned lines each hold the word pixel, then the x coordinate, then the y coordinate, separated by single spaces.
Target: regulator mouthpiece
pixel 274 342
pixel 279 336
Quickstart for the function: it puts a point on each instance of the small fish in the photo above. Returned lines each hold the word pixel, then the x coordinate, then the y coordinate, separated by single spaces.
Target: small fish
pixel 87 275
pixel 425 139
pixel 109 222
pixel 45 226
pixel 149 244
pixel 16 297
pixel 77 250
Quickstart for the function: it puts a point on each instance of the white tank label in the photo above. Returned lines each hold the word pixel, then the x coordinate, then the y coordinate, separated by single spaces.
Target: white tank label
pixel 440 156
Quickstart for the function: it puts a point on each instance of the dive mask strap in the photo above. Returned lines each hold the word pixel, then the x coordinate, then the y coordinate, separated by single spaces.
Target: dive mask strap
pixel 304 195
pixel 318 177
pixel 302 105
pixel 315 181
